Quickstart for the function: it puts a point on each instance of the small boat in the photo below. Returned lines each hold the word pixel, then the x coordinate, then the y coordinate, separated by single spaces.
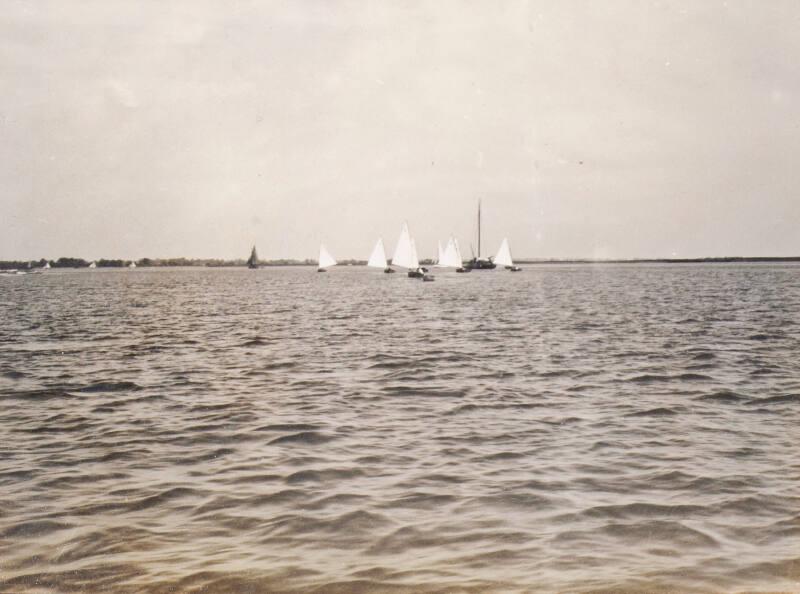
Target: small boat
pixel 440 258
pixel 503 257
pixel 132 265
pixel 252 261
pixel 477 263
pixel 415 271
pixel 46 266
pixel 378 258
pixel 459 259
pixel 450 257
pixel 325 259
pixel 92 265
pixel 405 254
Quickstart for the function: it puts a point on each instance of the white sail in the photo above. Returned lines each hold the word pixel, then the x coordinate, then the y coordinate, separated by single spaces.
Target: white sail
pixel 325 258
pixel 503 257
pixel 132 265
pixel 403 252
pixel 378 257
pixel 459 260
pixel 414 259
pixel 92 265
pixel 440 258
pixel 47 265
pixel 449 256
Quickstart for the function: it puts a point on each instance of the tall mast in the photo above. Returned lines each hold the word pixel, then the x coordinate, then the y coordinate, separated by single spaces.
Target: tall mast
pixel 479 228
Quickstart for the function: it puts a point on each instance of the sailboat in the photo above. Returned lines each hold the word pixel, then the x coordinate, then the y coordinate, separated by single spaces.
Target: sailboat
pixel 378 258
pixel 252 261
pixel 325 259
pixel 420 271
pixel 451 256
pixel 459 258
pixel 405 255
pixel 47 265
pixel 476 262
pixel 132 265
pixel 92 265
pixel 503 257
pixel 440 259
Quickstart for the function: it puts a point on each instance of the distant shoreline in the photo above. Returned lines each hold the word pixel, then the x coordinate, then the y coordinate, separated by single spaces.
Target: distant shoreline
pixel 214 263
pixel 722 260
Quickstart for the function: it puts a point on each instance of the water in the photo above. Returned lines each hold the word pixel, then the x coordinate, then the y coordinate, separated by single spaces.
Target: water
pixel 566 428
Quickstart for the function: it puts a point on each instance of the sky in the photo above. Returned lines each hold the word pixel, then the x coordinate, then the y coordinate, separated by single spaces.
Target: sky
pixel 617 129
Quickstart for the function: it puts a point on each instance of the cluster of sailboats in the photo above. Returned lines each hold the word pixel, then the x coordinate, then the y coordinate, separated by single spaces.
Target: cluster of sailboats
pixel 405 256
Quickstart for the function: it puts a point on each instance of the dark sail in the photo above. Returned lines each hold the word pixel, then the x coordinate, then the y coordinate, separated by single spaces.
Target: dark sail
pixel 252 261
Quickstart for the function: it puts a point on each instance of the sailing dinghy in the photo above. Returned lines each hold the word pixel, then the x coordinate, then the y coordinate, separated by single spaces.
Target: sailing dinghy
pixel 405 255
pixel 451 256
pixel 378 258
pixel 252 261
pixel 325 259
pixel 503 257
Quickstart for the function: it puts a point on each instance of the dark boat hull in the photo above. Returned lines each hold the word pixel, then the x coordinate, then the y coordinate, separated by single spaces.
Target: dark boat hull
pixel 476 264
pixel 388 270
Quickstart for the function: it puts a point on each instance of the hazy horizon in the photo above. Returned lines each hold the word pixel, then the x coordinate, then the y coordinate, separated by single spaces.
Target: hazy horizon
pixel 195 129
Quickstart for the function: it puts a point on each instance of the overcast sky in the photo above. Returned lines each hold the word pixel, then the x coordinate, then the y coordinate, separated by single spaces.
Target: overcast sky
pixel 605 129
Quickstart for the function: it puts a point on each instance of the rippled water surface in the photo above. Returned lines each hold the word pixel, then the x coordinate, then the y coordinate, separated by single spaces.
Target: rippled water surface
pixel 566 428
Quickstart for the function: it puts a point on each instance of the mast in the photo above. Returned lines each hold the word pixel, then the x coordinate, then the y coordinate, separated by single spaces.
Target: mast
pixel 479 229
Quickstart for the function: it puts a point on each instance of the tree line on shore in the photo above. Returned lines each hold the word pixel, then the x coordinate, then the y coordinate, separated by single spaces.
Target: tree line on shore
pixel 67 262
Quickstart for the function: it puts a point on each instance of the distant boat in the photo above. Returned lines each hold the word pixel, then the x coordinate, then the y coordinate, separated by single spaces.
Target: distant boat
pixel 92 265
pixel 459 258
pixel 47 265
pixel 378 258
pixel 325 259
pixel 405 255
pixel 440 257
pixel 252 261
pixel 450 257
pixel 477 262
pixel 503 257
pixel 132 265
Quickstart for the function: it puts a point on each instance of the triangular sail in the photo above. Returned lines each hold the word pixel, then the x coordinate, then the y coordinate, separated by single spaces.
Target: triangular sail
pixel 459 260
pixel 503 257
pixel 325 258
pixel 450 255
pixel 378 257
pixel 252 261
pixel 403 252
pixel 441 257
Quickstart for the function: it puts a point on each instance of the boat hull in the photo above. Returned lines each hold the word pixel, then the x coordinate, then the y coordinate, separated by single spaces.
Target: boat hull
pixel 476 264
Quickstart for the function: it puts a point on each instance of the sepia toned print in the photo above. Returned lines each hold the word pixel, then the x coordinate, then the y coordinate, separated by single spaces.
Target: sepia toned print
pixel 399 297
